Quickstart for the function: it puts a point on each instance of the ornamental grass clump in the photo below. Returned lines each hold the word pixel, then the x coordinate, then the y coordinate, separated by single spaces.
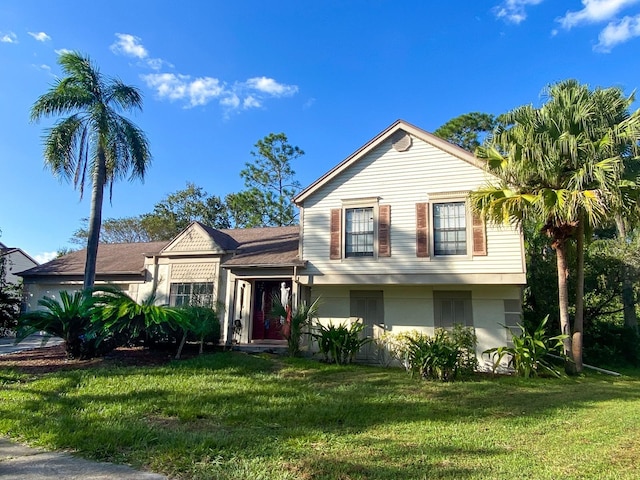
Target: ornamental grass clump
pixel 340 343
pixel 530 354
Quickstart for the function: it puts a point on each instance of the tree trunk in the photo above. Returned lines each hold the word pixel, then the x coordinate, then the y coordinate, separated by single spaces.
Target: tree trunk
pixel 563 300
pixel 578 323
pixel 95 220
pixel 628 300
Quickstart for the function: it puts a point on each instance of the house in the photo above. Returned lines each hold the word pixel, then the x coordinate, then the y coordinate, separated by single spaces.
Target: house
pixel 15 260
pixel 386 237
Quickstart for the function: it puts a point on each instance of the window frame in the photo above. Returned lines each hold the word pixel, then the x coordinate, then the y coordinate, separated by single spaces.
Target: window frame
pixel 450 198
pixel 190 294
pixel 351 235
pixel 359 203
pixel 440 296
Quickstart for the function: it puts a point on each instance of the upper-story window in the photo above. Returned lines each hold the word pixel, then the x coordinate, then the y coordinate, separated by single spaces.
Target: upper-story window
pixel 449 228
pixel 359 232
pixel 361 228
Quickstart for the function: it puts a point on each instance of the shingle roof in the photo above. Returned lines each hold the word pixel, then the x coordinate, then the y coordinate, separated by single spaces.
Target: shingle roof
pixel 113 258
pixel 253 247
pixel 267 246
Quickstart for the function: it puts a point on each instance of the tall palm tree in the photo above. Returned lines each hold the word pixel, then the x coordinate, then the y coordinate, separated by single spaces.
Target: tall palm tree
pixel 562 165
pixel 95 140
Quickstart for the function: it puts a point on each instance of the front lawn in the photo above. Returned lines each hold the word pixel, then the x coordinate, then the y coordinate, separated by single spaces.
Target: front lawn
pixel 235 416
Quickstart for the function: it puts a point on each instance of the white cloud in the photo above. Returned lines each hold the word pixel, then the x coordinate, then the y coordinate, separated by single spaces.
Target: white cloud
pixel 202 90
pixel 595 11
pixel 8 37
pixel 44 257
pixel 618 32
pixel 40 36
pixel 271 87
pixel 60 51
pixel 514 11
pixel 180 87
pixel 251 102
pixel 129 46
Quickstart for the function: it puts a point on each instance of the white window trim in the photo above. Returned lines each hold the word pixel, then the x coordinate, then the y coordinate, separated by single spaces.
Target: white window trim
pixel 450 197
pixel 347 204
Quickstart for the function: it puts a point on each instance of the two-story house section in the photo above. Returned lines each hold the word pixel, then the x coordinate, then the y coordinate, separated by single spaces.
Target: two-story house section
pixel 388 236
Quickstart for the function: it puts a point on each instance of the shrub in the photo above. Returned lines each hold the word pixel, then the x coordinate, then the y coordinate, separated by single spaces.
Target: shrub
pixel 295 321
pixel 340 343
pixel 611 344
pixel 445 356
pixel 201 324
pixel 527 355
pixel 69 319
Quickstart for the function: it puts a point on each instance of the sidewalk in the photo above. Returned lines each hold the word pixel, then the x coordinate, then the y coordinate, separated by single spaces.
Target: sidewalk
pixel 31 342
pixel 25 463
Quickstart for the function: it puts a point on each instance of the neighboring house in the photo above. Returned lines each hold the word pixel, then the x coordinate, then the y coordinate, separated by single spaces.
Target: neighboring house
pixel 387 236
pixel 16 260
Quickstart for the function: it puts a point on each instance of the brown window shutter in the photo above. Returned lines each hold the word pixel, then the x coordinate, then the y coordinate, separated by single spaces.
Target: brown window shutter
pixel 422 229
pixel 384 231
pixel 479 236
pixel 335 247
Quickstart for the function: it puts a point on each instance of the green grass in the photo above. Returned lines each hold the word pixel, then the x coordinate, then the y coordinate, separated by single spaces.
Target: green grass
pixel 235 416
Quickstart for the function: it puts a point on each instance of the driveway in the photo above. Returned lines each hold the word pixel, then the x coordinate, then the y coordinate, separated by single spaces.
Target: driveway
pixel 37 340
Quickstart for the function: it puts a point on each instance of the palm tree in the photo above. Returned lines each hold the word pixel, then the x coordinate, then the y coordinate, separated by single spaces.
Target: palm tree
pixel 94 140
pixel 562 165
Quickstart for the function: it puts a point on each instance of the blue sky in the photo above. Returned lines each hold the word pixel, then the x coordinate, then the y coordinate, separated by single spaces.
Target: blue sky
pixel 218 76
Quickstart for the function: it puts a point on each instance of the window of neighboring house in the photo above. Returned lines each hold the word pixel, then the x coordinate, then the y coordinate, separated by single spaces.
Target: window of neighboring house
pixel 198 294
pixel 452 308
pixel 359 232
pixel 449 228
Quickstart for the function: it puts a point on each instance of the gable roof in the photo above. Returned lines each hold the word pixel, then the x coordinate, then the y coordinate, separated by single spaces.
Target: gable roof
pixel 423 135
pixel 113 259
pixel 4 250
pixel 197 237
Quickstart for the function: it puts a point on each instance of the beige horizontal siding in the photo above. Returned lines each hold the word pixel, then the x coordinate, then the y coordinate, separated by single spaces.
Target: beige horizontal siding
pixel 402 179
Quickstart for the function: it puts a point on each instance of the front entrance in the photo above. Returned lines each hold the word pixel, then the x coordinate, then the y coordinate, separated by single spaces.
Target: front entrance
pixel 265 325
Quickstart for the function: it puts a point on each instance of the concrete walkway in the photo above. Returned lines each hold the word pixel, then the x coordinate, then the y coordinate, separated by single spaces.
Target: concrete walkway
pixel 37 340
pixel 25 463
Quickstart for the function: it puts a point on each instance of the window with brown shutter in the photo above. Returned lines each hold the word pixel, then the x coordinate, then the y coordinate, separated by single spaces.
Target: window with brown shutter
pixel 422 229
pixel 384 231
pixel 479 236
pixel 335 247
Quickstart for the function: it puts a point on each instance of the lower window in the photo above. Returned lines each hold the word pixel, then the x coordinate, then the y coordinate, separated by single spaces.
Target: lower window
pixel 452 308
pixel 196 294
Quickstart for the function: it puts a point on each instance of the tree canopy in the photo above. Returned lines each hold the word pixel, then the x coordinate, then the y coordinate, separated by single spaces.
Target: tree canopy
pixel 467 130
pixel 94 140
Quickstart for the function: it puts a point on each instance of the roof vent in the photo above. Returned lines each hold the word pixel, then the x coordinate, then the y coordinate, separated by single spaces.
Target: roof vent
pixel 401 141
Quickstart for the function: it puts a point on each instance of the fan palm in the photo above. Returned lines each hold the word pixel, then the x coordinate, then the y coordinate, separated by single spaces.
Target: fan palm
pixel 95 140
pixel 561 165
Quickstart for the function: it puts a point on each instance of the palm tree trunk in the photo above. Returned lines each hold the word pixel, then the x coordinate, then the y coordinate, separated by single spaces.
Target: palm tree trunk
pixel 578 323
pixel 563 300
pixel 95 220
pixel 628 300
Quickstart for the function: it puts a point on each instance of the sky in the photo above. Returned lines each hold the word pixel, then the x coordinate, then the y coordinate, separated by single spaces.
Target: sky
pixel 216 77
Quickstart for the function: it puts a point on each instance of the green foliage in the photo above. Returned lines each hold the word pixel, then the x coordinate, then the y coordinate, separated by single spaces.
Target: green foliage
pixel 69 319
pixel 467 130
pixel 529 354
pixel 611 344
pixel 169 217
pixel 126 320
pixel 10 299
pixel 94 141
pixel 445 356
pixel 296 320
pixel 202 324
pixel 340 343
pixel 270 185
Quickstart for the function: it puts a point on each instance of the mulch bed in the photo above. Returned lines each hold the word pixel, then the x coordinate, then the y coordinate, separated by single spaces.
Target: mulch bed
pixel 53 359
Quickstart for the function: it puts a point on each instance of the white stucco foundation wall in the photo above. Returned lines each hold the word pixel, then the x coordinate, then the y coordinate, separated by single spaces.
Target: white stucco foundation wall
pixel 409 308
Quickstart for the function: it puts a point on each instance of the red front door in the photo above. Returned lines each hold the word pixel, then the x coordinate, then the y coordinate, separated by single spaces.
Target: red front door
pixel 265 325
